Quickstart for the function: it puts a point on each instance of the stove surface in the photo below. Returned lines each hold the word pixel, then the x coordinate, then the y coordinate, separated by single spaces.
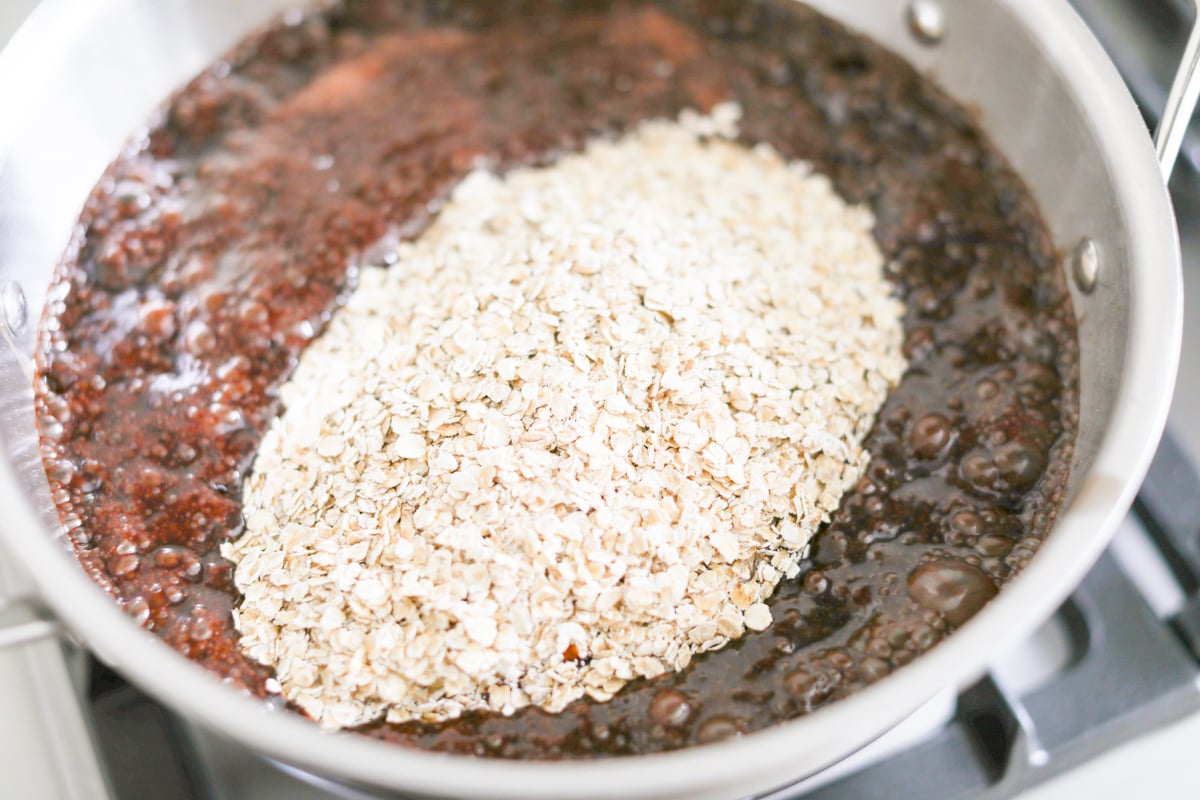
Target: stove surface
pixel 1012 735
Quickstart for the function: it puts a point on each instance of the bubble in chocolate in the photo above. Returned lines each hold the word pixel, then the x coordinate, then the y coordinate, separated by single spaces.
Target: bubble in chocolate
pixel 139 609
pixel 148 482
pixel 201 630
pixel 171 556
pixel 670 708
pixel 184 454
pixel 124 566
pixel 50 428
pixel 873 669
pixel 986 389
pixel 61 471
pixel 815 583
pixel 1020 466
pixel 718 729
pixel 923 636
pixel 952 588
pixel 994 546
pixel 931 436
pixel 812 686
pixel 157 319
pixel 967 522
pixel 980 471
pixel 199 338
pixel 218 571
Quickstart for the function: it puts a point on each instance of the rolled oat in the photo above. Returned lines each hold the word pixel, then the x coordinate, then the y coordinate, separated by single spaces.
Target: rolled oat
pixel 576 434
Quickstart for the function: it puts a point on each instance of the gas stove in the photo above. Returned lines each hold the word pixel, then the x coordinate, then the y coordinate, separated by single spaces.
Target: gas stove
pixel 1104 701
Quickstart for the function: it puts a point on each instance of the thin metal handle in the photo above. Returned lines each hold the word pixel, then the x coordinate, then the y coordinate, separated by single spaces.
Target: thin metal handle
pixel 1181 103
pixel 21 624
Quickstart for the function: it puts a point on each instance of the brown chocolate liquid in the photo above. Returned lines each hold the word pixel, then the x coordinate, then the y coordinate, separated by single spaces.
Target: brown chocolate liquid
pixel 217 246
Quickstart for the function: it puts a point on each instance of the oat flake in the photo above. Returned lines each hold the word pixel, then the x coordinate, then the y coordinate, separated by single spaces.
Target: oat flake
pixel 577 434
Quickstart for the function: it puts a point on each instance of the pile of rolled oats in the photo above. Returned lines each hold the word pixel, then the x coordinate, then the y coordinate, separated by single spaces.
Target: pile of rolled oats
pixel 576 434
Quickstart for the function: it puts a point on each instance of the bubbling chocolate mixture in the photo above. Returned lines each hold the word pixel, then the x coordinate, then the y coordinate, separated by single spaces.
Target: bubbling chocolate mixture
pixel 218 244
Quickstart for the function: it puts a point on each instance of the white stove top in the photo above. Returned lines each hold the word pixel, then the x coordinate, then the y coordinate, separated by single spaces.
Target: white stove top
pixel 43 727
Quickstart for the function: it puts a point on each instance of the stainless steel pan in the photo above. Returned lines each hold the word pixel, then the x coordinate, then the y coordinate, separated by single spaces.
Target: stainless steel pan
pixel 84 74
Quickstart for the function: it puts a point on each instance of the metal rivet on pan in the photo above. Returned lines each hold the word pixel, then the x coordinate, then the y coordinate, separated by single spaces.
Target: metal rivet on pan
pixel 14 311
pixel 927 19
pixel 1085 265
